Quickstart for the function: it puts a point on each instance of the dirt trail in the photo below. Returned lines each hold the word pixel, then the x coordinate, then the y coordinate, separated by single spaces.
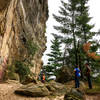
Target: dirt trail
pixel 7 93
pixel 93 97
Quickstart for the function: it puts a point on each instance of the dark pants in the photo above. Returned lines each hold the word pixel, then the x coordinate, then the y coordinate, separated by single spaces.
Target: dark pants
pixel 89 82
pixel 43 81
pixel 77 84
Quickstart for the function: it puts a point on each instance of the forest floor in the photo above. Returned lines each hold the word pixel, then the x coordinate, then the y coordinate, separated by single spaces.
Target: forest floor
pixel 90 94
pixel 94 93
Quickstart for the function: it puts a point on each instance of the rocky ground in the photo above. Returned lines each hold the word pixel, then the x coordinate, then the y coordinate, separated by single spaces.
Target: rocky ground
pixel 93 97
pixel 8 88
pixel 93 94
pixel 7 93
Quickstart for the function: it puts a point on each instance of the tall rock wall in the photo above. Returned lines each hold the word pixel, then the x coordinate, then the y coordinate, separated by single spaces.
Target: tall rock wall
pixel 22 24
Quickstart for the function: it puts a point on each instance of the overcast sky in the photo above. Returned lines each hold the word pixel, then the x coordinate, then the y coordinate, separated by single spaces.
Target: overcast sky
pixel 53 9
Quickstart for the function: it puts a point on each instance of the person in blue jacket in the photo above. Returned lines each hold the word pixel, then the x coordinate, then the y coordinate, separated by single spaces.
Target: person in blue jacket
pixel 77 76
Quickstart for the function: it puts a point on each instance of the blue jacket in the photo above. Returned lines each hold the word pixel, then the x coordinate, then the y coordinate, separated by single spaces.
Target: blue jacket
pixel 77 72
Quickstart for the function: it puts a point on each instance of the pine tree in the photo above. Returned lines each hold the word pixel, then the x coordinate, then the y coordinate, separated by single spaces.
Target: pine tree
pixel 67 20
pixel 84 33
pixel 55 59
pixel 74 23
pixel 83 20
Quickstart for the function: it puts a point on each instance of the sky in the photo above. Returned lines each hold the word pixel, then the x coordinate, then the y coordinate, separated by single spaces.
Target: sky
pixel 53 6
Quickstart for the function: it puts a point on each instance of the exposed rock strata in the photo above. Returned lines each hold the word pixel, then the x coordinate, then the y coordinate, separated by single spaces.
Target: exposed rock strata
pixel 42 90
pixel 22 21
pixel 9 94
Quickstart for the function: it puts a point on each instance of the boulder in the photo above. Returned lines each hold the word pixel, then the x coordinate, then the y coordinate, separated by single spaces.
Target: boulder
pixel 56 88
pixel 29 79
pixel 74 94
pixel 64 75
pixel 33 90
pixel 41 90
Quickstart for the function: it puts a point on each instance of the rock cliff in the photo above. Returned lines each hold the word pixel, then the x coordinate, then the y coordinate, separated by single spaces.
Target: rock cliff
pixel 22 31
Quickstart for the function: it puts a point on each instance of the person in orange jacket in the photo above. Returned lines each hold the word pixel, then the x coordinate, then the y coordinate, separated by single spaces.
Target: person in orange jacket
pixel 43 78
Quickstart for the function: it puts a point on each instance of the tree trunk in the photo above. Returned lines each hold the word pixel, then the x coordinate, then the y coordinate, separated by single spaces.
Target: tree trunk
pixel 73 31
pixel 79 60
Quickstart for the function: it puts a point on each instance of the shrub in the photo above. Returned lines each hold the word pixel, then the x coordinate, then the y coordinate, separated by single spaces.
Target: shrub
pixel 22 69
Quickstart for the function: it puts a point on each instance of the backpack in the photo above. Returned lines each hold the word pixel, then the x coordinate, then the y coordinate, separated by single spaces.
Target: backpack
pixel 77 72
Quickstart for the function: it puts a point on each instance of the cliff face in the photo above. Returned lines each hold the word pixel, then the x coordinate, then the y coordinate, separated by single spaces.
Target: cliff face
pixel 22 26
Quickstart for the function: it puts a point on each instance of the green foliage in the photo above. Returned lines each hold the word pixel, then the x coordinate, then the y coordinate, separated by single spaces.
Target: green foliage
pixel 18 71
pixel 67 20
pixel 10 73
pixel 97 80
pixel 55 56
pixel 74 24
pixel 22 69
pixel 31 47
pixel 94 48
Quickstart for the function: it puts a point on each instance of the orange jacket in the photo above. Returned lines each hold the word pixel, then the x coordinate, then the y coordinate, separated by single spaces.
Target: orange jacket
pixel 43 77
